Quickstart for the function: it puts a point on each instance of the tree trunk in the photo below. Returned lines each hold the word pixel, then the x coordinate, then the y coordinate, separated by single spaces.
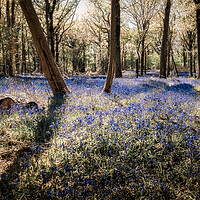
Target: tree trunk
pixel 174 63
pixel 191 56
pixel 23 65
pixel 142 58
pixel 198 36
pixel 84 58
pixel 137 67
pixel 118 71
pixel 4 59
pixel 47 8
pixel 0 41
pixel 184 58
pixel 112 60
pixel 34 59
pixel 145 62
pixel 57 48
pixel 122 61
pixel 9 46
pixel 132 60
pixel 100 65
pixel 13 46
pixel 49 67
pixel 51 32
pixel 194 62
pixel 163 56
pixel 168 59
pixel 123 64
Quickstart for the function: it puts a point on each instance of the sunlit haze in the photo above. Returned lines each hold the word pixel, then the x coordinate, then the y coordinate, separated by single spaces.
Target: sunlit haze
pixel 82 7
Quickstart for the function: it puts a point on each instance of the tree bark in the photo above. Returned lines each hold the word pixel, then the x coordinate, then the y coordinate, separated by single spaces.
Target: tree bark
pixel 51 26
pixel 112 60
pixel 137 67
pixel 23 64
pixel 190 53
pixel 9 56
pixel 184 57
pixel 57 48
pixel 0 39
pixel 13 45
pixel 168 59
pixel 132 60
pixel 163 56
pixel 145 62
pixel 118 71
pixel 51 32
pixel 142 58
pixel 198 36
pixel 49 67
pixel 47 7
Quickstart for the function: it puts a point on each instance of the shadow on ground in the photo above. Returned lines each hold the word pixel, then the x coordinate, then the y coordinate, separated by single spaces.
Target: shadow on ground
pixel 21 158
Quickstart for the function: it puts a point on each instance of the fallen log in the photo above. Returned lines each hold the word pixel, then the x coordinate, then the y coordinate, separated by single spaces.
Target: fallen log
pixel 7 103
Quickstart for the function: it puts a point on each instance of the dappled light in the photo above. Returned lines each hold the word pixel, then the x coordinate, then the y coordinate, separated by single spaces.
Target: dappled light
pixel 143 137
pixel 99 99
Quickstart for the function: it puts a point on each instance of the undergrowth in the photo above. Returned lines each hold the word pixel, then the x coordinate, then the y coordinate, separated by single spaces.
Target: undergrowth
pixel 140 142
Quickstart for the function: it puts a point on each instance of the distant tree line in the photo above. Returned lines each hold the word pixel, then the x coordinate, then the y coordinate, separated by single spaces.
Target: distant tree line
pixel 152 34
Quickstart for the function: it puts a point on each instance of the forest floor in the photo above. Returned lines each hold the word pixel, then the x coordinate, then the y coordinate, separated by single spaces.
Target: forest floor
pixel 142 141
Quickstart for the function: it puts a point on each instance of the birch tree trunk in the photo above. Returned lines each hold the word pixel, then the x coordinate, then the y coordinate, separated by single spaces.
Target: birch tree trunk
pixel 53 75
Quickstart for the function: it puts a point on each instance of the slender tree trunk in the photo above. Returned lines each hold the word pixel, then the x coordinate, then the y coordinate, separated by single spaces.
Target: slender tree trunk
pixel 94 68
pixel 57 48
pixel 145 62
pixel 137 67
pixel 0 40
pixel 188 60
pixel 17 54
pixel 132 60
pixel 84 58
pixel 4 59
pixel 29 66
pixel 191 56
pixel 108 53
pixel 184 57
pixel 13 46
pixel 147 58
pixel 123 64
pixel 194 62
pixel 112 60
pixel 198 35
pixel 47 9
pixel 9 46
pixel 118 70
pixel 174 64
pixel 23 65
pixel 168 59
pixel 142 58
pixel 163 56
pixel 122 61
pixel 51 34
pixel 100 65
pixel 139 60
pixel 34 59
pixel 49 67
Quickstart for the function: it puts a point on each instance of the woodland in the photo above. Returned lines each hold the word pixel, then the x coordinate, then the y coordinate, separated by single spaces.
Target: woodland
pixel 100 105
